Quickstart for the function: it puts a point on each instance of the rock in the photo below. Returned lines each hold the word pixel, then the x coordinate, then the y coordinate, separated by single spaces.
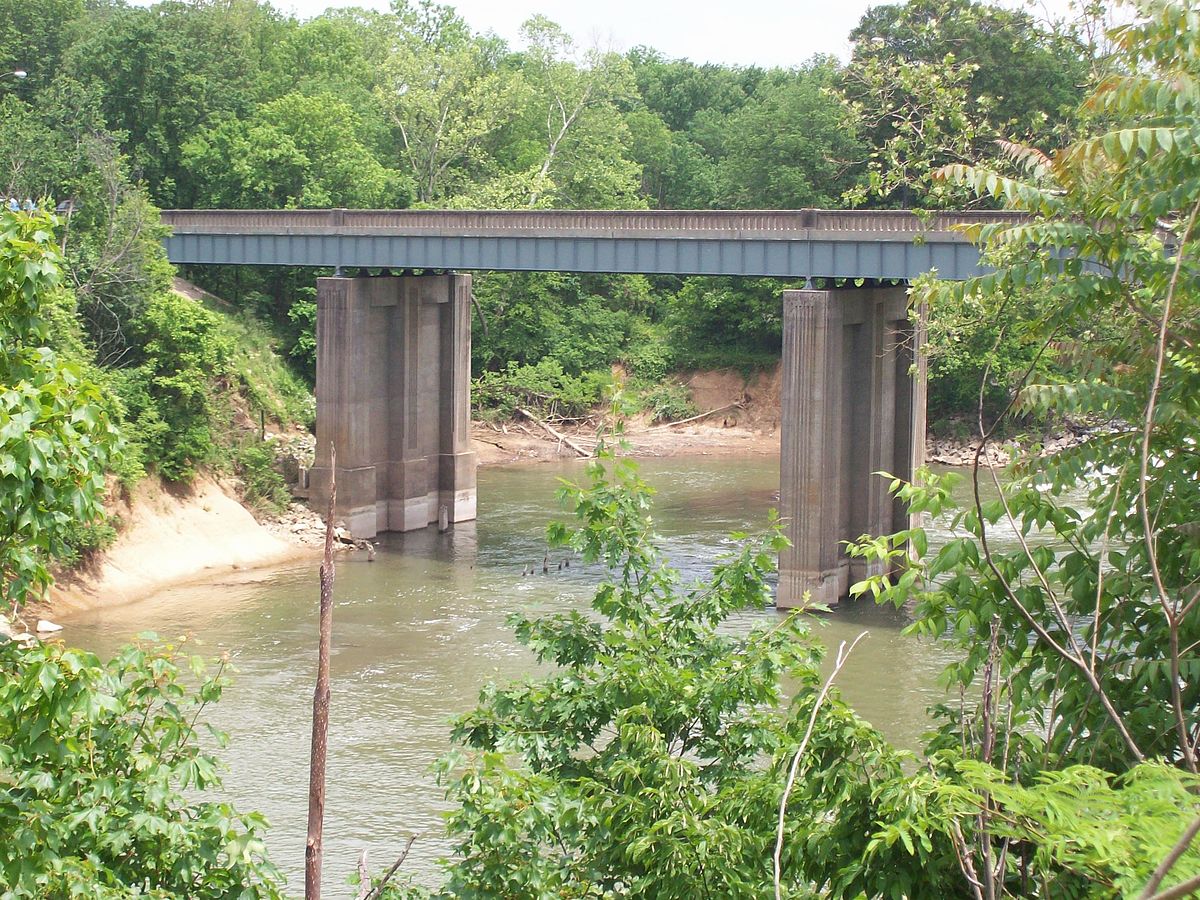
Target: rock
pixel 45 626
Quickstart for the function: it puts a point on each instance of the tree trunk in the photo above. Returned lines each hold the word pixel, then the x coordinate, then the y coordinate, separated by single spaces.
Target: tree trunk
pixel 320 728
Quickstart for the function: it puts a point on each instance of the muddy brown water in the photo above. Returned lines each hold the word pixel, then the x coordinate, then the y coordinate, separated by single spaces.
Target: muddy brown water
pixel 421 629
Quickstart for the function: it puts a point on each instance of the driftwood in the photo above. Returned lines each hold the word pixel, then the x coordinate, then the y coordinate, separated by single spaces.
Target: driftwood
pixel 554 433
pixel 320 726
pixel 703 415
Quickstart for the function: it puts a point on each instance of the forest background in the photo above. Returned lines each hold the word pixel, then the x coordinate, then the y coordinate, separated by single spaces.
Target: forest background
pixel 126 109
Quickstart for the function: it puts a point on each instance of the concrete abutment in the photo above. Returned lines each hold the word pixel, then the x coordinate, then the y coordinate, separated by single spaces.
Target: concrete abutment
pixel 393 400
pixel 853 405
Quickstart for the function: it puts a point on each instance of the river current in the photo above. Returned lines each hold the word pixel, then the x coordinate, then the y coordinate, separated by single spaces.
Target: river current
pixel 417 633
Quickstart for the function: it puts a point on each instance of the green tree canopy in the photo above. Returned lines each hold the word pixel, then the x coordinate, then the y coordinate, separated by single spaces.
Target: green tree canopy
pixel 300 150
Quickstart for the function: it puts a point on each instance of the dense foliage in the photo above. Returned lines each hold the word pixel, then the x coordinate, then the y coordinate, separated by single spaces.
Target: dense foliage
pixel 664 750
pixel 1068 767
pixel 100 764
pixel 1078 617
pixel 649 761
pixel 57 432
pixel 236 104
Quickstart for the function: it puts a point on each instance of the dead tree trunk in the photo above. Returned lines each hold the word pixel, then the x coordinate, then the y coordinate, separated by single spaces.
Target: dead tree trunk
pixel 320 727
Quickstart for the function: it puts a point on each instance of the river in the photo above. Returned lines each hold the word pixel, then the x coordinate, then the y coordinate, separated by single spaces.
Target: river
pixel 418 631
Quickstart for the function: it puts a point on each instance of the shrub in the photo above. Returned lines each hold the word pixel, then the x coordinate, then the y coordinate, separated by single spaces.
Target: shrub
pixel 101 764
pixel 56 426
pixel 545 388
pixel 669 402
pixel 84 538
pixel 170 395
pixel 263 486
pixel 650 760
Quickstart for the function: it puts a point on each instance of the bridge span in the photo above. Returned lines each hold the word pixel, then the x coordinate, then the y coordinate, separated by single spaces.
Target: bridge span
pixel 885 244
pixel 393 350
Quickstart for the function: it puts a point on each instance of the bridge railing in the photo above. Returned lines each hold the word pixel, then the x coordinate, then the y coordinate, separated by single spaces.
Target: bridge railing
pixel 763 224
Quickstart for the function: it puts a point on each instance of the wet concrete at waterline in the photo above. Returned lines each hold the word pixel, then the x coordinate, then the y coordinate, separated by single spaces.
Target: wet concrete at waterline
pixel 421 629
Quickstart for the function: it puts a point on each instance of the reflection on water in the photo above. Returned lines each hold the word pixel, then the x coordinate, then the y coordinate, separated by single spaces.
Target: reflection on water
pixel 418 632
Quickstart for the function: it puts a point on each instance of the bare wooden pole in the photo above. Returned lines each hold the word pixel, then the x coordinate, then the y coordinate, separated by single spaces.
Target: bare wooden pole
pixel 320 728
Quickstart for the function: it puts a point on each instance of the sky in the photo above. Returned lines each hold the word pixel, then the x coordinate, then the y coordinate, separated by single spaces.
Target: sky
pixel 737 32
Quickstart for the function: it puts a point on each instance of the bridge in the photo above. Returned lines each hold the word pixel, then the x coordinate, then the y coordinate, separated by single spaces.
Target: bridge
pixel 810 243
pixel 393 350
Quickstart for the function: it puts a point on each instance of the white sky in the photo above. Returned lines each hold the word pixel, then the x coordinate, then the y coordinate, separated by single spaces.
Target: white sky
pixel 742 32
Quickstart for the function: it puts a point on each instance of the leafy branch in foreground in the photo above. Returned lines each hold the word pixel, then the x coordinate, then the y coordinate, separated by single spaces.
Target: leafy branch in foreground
pixel 56 427
pixel 1077 612
pixel 95 760
pixel 651 759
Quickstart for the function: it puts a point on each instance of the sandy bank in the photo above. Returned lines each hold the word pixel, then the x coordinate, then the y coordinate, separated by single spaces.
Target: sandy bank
pixel 744 422
pixel 171 536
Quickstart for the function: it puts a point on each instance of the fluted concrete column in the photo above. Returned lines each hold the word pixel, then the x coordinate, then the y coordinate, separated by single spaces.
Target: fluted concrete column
pixel 347 403
pixel 852 408
pixel 393 395
pixel 810 480
pixel 457 461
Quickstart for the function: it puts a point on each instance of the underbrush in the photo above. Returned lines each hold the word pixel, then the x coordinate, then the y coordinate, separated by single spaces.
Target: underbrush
pixel 202 379
pixel 543 388
pixel 263 487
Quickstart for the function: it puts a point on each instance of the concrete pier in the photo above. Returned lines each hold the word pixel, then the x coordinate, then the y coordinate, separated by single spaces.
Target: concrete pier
pixel 393 399
pixel 852 406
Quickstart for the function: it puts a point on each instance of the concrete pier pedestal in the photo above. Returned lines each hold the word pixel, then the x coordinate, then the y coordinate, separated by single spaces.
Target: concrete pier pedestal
pixel 852 406
pixel 393 399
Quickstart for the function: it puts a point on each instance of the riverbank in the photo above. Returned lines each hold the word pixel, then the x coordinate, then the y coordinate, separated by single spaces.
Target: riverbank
pixel 172 536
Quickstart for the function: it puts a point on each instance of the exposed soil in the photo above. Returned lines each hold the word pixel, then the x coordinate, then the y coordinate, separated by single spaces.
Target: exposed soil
pixel 745 423
pixel 169 536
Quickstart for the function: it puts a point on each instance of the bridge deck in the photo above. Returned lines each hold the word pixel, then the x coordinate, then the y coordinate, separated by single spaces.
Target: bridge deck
pixel 892 244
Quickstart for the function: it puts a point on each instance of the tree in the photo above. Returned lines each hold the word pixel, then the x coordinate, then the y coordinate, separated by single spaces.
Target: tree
pixel 170 70
pixel 1078 636
pixel 95 759
pixel 792 145
pixel 446 95
pixel 1032 75
pixel 583 137
pixel 34 35
pixel 57 431
pixel 650 761
pixel 297 151
pixel 111 240
pixel 937 81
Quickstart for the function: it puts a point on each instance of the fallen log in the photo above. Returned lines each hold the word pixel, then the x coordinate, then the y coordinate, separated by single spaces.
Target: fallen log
pixel 703 415
pixel 554 433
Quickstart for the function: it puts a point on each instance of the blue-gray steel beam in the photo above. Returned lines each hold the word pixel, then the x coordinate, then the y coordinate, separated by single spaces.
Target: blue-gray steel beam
pixel 794 244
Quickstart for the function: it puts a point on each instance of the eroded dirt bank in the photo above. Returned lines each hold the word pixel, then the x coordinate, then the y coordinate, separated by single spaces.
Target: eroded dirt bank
pixel 168 537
